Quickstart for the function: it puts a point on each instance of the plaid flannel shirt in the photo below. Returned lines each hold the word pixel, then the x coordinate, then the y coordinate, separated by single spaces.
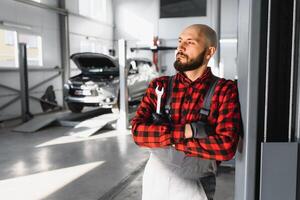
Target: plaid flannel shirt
pixel 224 120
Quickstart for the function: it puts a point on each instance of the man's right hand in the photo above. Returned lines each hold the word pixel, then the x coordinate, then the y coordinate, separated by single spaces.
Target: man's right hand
pixel 160 118
pixel 198 130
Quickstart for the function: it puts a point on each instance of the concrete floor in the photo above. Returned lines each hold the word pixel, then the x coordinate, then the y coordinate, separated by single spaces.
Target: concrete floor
pixel 224 190
pixel 50 164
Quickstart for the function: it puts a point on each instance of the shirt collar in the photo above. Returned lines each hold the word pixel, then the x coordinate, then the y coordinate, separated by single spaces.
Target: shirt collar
pixel 206 76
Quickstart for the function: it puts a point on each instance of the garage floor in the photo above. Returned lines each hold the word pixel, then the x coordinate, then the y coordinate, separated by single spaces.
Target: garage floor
pixel 50 164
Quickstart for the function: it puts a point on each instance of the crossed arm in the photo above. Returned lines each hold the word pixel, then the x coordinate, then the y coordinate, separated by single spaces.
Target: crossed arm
pixel 218 146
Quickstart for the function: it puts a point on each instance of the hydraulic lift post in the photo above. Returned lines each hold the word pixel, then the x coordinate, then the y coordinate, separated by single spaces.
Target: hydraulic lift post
pixel 26 115
pixel 123 119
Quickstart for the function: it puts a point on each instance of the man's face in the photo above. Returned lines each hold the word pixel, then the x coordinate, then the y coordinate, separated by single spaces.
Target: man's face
pixel 190 51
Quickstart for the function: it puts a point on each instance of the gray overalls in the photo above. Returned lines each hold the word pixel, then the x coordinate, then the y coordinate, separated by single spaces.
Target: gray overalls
pixel 171 175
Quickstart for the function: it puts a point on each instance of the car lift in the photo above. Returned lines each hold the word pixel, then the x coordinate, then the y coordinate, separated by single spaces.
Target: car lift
pixel 23 92
pixel 155 48
pixel 87 123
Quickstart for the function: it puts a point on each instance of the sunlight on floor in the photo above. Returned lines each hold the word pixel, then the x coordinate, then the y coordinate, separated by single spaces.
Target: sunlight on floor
pixel 41 185
pixel 72 139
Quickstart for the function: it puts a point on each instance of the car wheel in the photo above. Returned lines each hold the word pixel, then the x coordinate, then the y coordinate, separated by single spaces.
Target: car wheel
pixel 75 107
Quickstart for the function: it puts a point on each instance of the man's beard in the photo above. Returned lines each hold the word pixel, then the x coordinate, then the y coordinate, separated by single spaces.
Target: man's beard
pixel 190 65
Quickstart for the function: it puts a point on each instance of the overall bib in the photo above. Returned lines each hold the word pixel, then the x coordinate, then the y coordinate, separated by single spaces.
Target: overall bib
pixel 171 175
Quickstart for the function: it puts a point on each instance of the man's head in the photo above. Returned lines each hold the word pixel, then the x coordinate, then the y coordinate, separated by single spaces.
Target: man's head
pixel 196 45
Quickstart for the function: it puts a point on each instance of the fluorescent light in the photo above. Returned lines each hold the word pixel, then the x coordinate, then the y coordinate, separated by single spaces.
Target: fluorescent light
pixel 15 25
pixel 229 40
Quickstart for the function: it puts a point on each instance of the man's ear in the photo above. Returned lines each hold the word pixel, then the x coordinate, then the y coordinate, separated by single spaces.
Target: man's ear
pixel 210 52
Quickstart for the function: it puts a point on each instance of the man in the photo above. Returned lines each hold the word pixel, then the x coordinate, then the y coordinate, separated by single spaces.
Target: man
pixel 182 164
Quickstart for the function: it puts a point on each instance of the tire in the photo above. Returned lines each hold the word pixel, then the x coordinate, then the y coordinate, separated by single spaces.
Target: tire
pixel 75 107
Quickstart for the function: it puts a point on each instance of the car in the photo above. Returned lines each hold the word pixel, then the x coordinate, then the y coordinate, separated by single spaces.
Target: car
pixel 98 83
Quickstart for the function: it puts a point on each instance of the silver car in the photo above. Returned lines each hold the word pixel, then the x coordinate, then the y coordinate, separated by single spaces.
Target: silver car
pixel 98 82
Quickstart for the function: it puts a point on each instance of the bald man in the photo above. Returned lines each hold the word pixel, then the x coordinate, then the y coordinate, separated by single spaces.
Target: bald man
pixel 190 122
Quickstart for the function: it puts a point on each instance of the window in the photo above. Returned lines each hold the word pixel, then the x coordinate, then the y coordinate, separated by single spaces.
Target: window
pixel 9 38
pixel 179 8
pixel 8 48
pixel 95 9
pixel 34 48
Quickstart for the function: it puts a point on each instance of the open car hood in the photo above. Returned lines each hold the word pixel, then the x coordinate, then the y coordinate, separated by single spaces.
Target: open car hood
pixel 91 63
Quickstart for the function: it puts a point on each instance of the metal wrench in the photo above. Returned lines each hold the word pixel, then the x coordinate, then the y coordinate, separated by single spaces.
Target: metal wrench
pixel 159 93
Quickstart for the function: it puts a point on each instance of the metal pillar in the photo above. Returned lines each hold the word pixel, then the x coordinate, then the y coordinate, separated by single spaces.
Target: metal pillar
pixel 279 152
pixel 248 71
pixel 26 115
pixel 218 30
pixel 123 120
pixel 265 94
pixel 65 45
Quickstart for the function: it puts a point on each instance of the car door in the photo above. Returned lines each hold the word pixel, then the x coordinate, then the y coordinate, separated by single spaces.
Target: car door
pixel 146 74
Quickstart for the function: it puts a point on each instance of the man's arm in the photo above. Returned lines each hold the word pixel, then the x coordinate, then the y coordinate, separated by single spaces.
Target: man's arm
pixel 147 134
pixel 222 145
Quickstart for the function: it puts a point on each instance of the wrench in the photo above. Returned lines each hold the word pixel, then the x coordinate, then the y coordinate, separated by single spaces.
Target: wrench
pixel 159 93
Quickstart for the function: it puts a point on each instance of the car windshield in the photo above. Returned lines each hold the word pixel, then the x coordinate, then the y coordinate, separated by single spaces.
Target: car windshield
pixel 102 66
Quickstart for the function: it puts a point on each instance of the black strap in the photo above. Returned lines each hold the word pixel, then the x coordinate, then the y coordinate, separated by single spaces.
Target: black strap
pixel 169 95
pixel 205 110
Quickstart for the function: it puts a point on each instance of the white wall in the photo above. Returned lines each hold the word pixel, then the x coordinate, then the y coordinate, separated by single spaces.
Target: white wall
pixel 46 24
pixel 86 30
pixel 229 21
pixel 138 21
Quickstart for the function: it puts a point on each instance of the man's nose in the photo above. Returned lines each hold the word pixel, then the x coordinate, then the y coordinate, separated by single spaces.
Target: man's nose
pixel 181 47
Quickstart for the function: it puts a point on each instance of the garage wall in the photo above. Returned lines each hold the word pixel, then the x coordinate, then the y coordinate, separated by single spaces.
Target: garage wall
pixel 138 21
pixel 86 34
pixel 89 34
pixel 40 22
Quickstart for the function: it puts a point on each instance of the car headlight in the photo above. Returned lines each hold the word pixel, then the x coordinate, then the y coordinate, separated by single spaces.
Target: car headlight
pixel 66 86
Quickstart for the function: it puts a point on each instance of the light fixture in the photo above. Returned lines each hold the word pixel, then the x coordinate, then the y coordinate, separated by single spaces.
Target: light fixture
pixel 228 40
pixel 15 25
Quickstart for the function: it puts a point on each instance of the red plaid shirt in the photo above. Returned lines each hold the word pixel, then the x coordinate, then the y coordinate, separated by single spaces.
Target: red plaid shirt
pixel 186 102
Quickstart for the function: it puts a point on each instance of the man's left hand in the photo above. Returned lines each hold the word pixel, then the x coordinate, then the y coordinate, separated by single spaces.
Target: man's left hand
pixel 188 131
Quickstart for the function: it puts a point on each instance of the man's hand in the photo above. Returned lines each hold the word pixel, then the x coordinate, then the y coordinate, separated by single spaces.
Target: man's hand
pixel 188 131
pixel 198 130
pixel 160 118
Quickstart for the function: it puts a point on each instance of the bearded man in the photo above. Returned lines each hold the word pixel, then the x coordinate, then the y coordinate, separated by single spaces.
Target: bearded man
pixel 190 122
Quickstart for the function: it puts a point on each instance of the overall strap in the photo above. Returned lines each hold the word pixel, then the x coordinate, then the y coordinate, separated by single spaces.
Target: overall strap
pixel 169 95
pixel 205 110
